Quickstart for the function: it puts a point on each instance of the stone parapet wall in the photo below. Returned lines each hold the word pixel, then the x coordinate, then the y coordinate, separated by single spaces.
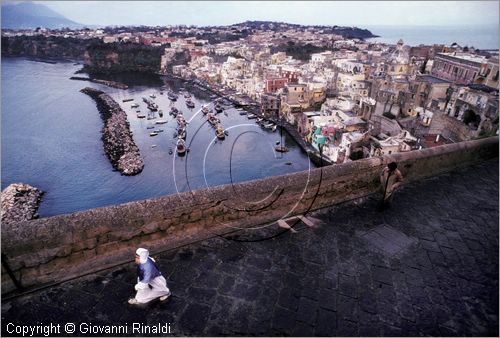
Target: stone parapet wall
pixel 54 249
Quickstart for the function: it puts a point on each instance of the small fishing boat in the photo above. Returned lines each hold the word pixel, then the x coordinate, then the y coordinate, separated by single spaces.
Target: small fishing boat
pixel 190 104
pixel 127 100
pixel 152 96
pixel 173 111
pixel 150 127
pixel 172 96
pixel 251 116
pixel 273 129
pixel 218 108
pixel 204 110
pixel 153 133
pixel 219 132
pixel 212 120
pixel 135 105
pixel 243 113
pixel 281 149
pixel 141 116
pixel 153 146
pixel 180 119
pixel 160 112
pixel 181 133
pixel 181 147
pixel 161 121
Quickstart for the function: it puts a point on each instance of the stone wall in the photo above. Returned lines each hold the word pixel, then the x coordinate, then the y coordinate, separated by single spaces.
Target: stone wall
pixel 450 128
pixel 58 248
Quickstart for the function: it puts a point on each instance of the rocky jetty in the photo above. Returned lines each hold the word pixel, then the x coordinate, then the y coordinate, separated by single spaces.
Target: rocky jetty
pixel 118 142
pixel 112 84
pixel 20 202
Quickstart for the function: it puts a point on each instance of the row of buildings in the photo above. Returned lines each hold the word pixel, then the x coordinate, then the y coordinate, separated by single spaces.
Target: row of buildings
pixel 367 100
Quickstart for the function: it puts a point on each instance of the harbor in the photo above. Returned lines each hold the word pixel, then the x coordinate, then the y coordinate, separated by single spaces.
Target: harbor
pixel 63 130
pixel 252 108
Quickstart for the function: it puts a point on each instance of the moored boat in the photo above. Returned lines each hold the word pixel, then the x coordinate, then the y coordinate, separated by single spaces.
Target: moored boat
pixel 173 111
pixel 180 119
pixel 212 120
pixel 181 147
pixel 172 96
pixel 161 121
pixel 190 104
pixel 281 149
pixel 181 133
pixel 218 108
pixel 219 132
pixel 204 110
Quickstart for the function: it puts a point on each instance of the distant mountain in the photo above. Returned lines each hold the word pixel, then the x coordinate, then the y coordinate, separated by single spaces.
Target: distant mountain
pixel 30 15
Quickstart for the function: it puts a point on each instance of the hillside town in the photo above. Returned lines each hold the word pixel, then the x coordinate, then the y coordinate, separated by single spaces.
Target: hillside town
pixel 344 96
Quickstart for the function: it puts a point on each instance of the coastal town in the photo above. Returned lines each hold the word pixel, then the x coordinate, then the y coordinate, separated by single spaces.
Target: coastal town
pixel 343 97
pixel 250 168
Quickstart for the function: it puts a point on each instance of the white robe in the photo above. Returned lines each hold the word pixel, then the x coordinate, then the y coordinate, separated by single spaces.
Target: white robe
pixel 145 294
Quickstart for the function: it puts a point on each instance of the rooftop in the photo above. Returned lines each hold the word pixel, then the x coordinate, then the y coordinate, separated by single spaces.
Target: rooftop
pixel 428 266
pixel 466 57
pixel 431 79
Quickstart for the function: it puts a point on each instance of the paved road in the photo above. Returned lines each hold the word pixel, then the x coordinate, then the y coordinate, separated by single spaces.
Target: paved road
pixel 427 266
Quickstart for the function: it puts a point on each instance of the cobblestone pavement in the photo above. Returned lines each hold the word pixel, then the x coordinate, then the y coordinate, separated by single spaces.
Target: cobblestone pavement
pixel 427 266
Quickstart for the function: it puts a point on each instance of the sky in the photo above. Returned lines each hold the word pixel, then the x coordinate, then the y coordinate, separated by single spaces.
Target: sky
pixel 342 13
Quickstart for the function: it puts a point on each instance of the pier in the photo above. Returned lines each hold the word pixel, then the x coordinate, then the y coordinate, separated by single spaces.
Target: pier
pixel 108 83
pixel 117 137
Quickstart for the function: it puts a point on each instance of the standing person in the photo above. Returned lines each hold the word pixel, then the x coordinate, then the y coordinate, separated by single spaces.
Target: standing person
pixel 150 283
pixel 391 179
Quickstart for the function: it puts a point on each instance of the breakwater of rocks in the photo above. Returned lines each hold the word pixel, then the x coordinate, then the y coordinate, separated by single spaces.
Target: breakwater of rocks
pixel 108 83
pixel 116 135
pixel 20 202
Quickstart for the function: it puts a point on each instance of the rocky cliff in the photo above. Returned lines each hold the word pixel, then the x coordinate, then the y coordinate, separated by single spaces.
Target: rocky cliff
pixel 45 47
pixel 108 58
